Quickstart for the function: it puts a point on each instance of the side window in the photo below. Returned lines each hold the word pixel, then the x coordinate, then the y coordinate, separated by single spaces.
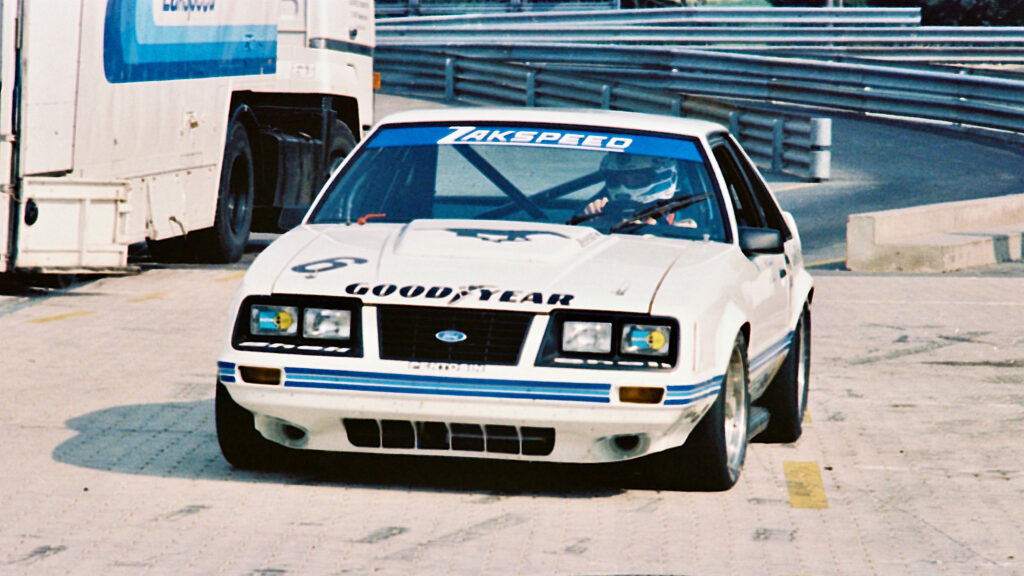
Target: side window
pixel 772 215
pixel 748 213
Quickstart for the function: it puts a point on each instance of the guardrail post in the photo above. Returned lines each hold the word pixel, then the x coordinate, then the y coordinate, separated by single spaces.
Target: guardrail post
pixel 606 97
pixel 778 143
pixel 449 79
pixel 734 123
pixel 531 89
pixel 677 107
pixel 821 145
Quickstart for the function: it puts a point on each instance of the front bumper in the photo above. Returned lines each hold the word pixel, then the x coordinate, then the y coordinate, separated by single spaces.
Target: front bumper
pixel 492 415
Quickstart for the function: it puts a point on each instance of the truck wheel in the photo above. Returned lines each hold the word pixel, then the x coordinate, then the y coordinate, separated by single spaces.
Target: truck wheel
pixel 240 443
pixel 712 458
pixel 342 142
pixel 226 241
pixel 786 397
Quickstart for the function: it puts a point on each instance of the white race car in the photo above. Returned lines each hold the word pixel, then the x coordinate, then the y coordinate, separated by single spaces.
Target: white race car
pixel 525 284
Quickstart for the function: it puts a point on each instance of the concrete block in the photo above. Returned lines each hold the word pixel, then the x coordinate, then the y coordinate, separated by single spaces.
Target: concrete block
pixel 937 237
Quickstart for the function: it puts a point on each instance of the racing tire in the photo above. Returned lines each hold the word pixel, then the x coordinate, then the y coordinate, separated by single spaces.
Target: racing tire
pixel 786 397
pixel 240 443
pixel 712 457
pixel 225 242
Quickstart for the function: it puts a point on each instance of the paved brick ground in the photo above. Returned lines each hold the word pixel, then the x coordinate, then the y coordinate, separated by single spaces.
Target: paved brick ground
pixel 110 463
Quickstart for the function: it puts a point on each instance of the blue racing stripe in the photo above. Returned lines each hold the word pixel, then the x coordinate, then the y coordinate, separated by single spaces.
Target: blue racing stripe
pixel 687 393
pixel 226 372
pixel 773 351
pixel 474 387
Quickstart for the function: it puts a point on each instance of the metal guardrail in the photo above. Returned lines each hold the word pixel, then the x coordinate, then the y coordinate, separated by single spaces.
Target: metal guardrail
pixel 792 143
pixel 994 103
pixel 694 16
pixel 415 7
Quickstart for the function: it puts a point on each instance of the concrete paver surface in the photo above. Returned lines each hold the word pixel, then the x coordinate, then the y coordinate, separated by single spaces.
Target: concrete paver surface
pixel 911 461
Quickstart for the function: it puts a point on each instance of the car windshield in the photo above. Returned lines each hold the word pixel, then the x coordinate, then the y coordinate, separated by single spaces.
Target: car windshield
pixel 529 173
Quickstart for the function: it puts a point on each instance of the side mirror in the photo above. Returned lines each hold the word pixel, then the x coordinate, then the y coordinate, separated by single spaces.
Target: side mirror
pixel 760 241
pixel 291 216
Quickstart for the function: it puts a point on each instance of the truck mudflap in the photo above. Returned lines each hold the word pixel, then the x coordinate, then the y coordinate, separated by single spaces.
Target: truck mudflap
pixel 71 225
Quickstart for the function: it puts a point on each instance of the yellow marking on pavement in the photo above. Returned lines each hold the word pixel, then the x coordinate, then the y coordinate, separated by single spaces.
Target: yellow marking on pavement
pixel 235 276
pixel 793 186
pixel 803 480
pixel 148 297
pixel 807 418
pixel 58 317
pixel 825 262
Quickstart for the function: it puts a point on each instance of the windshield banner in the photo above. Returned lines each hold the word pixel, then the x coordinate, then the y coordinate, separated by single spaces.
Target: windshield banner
pixel 541 136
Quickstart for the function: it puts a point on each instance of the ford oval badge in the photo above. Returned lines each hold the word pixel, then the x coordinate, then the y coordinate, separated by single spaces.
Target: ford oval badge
pixel 450 336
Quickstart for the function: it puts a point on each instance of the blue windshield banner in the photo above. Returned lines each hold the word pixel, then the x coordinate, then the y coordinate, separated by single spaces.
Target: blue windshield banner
pixel 539 136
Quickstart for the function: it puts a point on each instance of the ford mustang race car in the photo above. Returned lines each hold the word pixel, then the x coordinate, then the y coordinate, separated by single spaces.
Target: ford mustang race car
pixel 542 285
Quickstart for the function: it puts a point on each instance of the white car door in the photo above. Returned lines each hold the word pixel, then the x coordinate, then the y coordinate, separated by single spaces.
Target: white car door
pixel 769 292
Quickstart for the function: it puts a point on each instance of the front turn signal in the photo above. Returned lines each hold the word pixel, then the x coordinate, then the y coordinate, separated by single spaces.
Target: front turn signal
pixel 641 394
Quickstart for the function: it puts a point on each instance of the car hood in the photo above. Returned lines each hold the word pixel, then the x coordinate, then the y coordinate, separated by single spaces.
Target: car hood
pixel 475 264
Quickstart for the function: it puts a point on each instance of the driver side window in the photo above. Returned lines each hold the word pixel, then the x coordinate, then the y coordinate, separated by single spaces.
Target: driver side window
pixel 748 211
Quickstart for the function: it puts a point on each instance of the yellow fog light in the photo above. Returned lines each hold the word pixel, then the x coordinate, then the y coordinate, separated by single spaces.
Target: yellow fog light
pixel 641 394
pixel 254 375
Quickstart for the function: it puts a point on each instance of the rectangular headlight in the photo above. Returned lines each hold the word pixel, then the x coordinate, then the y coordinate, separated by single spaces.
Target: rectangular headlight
pixel 270 320
pixel 645 339
pixel 326 324
pixel 590 337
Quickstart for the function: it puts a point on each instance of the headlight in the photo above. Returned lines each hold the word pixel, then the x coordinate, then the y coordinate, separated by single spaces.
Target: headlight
pixel 269 320
pixel 591 337
pixel 326 324
pixel 645 339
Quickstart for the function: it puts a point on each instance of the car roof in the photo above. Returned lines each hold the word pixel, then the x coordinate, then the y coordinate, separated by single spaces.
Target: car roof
pixel 577 116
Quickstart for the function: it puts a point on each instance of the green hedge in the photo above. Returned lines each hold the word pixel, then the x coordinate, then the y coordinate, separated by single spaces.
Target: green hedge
pixel 942 12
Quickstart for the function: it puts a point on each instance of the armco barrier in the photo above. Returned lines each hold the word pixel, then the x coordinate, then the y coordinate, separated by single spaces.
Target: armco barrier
pixel 962 99
pixel 691 16
pixel 793 143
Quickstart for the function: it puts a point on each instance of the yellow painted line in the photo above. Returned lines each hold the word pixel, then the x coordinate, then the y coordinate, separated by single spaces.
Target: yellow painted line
pixel 807 418
pixel 825 262
pixel 795 186
pixel 235 276
pixel 803 480
pixel 59 317
pixel 148 297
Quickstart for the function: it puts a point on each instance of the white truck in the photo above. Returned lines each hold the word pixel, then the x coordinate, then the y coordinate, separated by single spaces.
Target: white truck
pixel 181 123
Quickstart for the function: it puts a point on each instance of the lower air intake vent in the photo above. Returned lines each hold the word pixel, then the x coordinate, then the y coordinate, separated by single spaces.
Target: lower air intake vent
pixel 526 440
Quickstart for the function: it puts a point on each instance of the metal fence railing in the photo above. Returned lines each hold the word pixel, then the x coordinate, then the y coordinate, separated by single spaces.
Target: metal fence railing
pixel 868 34
pixel 398 8
pixel 993 103
pixel 793 143
pixel 471 15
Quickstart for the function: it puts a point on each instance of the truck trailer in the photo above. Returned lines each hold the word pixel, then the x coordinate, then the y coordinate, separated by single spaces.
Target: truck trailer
pixel 184 124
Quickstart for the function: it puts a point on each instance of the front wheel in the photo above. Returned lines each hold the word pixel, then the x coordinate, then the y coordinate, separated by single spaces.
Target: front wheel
pixel 240 443
pixel 713 455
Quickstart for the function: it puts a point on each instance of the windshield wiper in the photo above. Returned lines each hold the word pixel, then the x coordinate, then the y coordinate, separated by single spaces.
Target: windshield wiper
pixel 657 210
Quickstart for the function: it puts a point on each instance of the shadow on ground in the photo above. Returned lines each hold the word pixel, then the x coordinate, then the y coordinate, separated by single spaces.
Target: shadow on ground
pixel 177 440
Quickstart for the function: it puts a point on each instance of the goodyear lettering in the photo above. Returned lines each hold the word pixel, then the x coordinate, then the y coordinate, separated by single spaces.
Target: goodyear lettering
pixel 453 295
pixel 189 5
pixel 473 135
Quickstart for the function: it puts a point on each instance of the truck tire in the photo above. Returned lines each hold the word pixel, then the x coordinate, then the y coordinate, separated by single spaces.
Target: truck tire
pixel 342 142
pixel 712 457
pixel 786 397
pixel 226 241
pixel 240 443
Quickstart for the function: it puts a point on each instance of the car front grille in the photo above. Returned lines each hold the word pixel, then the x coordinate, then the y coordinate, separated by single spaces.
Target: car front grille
pixel 500 439
pixel 411 333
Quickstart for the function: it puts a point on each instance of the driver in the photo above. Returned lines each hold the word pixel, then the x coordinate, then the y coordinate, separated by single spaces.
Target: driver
pixel 638 179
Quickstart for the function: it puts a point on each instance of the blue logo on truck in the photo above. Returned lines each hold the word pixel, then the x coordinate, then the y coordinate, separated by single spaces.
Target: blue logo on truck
pixel 140 47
